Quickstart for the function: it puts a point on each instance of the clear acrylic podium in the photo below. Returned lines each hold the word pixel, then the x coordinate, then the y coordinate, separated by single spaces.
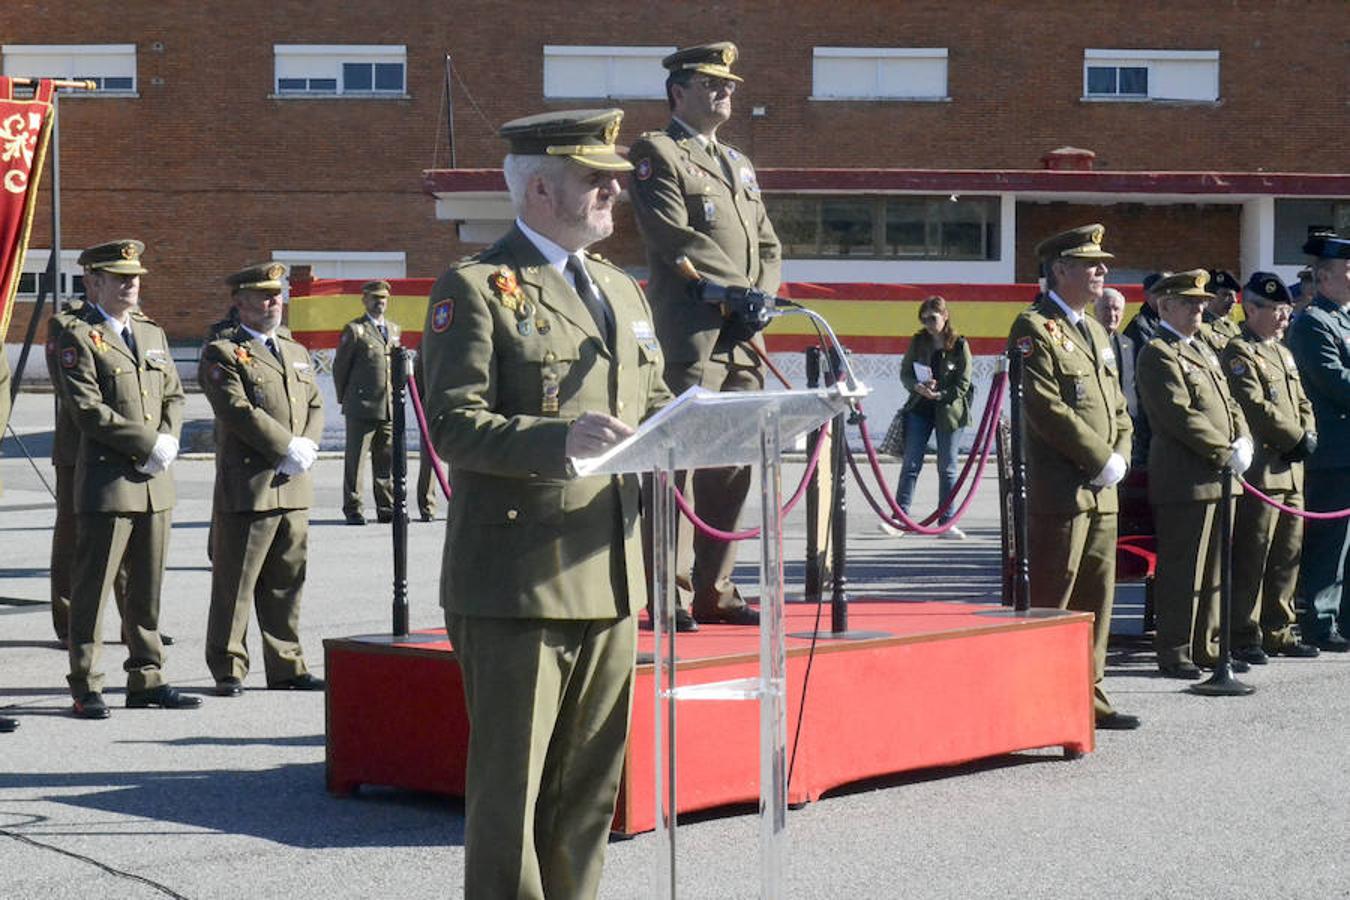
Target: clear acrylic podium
pixel 707 430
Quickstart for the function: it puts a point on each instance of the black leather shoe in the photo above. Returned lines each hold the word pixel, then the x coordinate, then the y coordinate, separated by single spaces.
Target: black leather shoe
pixel 164 697
pixel 427 516
pixel 741 615
pixel 229 687
pixel 7 724
pixel 1117 722
pixel 91 706
pixel 1333 644
pixel 384 518
pixel 1237 665
pixel 166 639
pixel 1183 671
pixel 355 519
pixel 684 622
pixel 1253 655
pixel 305 682
pixel 1298 650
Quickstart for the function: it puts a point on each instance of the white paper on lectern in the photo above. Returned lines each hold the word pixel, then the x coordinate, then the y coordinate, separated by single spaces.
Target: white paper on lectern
pixel 592 463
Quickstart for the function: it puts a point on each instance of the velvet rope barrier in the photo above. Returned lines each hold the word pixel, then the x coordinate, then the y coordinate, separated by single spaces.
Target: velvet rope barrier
pixel 436 465
pixel 707 530
pixel 1301 513
pixel 984 443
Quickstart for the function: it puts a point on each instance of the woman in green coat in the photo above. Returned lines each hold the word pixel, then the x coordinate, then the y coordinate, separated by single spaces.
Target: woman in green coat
pixel 936 372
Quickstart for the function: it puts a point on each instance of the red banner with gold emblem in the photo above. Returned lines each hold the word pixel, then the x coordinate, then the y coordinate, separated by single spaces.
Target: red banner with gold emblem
pixel 25 126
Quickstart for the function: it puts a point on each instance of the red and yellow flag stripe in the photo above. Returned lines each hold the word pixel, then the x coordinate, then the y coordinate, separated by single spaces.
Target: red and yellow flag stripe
pixel 869 318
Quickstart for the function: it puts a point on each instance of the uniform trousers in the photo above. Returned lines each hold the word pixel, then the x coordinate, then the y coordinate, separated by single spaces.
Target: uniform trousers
pixel 549 702
pixel 1326 556
pixel 373 438
pixel 259 564
pixel 427 485
pixel 104 542
pixel 62 564
pixel 1072 563
pixel 1186 586
pixel 718 495
pixel 1266 546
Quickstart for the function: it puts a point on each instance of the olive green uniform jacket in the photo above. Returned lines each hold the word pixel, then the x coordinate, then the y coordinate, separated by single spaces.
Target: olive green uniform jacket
pixel 361 369
pixel 688 204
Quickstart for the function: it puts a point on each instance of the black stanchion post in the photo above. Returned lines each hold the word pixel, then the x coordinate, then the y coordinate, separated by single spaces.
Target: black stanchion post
pixel 1021 581
pixel 814 574
pixel 400 473
pixel 839 529
pixel 1222 683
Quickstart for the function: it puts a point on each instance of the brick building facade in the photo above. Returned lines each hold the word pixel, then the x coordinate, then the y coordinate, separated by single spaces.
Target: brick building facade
pixel 231 147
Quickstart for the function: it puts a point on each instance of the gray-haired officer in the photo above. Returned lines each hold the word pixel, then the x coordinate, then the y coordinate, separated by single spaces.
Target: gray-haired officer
pixel 269 418
pixel 1266 542
pixel 122 386
pixel 1077 434
pixel 1320 340
pixel 537 353
pixel 697 197
pixel 1198 430
pixel 362 376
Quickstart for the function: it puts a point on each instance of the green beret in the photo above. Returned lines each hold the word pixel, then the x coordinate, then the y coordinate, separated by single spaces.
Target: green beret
pixel 118 257
pixel 1084 242
pixel 1184 286
pixel 710 59
pixel 258 277
pixel 376 288
pixel 585 136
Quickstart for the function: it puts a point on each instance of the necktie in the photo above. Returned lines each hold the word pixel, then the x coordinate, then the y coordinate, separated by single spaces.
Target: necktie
pixel 590 296
pixel 128 339
pixel 272 346
pixel 721 157
pixel 1086 333
pixel 384 332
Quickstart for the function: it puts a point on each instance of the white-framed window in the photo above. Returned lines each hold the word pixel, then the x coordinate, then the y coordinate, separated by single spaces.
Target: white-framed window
pixel 1191 75
pixel 610 73
pixel 340 70
pixel 879 73
pixel 347 263
pixel 112 67
pixel 33 278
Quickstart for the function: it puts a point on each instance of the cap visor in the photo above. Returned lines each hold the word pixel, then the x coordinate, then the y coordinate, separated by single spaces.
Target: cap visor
pixel 718 72
pixel 609 162
pixel 122 267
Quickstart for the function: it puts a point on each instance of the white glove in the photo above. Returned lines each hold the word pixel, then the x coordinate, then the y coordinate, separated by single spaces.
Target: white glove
pixel 1241 460
pixel 161 455
pixel 300 455
pixel 1112 472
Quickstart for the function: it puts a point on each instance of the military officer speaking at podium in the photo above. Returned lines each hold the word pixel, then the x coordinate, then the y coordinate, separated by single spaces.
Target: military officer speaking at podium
pixel 537 353
pixel 697 197
pixel 119 380
pixel 1077 438
pixel 269 418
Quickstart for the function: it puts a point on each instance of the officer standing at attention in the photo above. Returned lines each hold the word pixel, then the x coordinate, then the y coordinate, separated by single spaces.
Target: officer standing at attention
pixel 538 353
pixel 697 197
pixel 6 723
pixel 361 376
pixel 1320 341
pixel 1198 429
pixel 269 418
pixel 122 387
pixel 1266 542
pixel 1077 436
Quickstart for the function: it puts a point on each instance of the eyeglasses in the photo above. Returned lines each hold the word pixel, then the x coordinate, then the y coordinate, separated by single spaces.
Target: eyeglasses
pixel 716 85
pixel 930 317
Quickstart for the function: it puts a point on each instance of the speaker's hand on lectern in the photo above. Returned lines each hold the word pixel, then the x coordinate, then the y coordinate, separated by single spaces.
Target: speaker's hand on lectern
pixel 593 433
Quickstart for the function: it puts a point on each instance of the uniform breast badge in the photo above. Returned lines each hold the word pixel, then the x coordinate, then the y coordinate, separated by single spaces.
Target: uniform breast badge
pixel 709 210
pixel 508 291
pixel 245 358
pixel 442 314
pixel 96 338
pixel 549 404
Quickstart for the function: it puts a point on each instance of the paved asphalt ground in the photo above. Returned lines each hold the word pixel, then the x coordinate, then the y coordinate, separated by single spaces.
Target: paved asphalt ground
pixel 1212 798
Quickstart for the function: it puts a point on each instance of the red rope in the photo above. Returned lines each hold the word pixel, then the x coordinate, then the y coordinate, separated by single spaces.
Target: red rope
pixel 436 465
pixel 1301 513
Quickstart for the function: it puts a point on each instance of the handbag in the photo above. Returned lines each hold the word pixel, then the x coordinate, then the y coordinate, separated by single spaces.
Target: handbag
pixel 893 444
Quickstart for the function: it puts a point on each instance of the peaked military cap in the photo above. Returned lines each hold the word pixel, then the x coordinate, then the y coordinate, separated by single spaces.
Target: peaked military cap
pixel 1084 242
pixel 585 136
pixel 376 288
pixel 1185 285
pixel 258 277
pixel 1268 288
pixel 118 257
pixel 1223 279
pixel 710 59
pixel 1151 279
pixel 1327 245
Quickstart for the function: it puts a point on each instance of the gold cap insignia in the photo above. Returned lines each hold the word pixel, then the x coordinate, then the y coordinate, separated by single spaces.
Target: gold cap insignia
pixel 612 132
pixel 728 55
pixel 1097 235
pixel 128 251
pixel 276 271
pixel 1270 288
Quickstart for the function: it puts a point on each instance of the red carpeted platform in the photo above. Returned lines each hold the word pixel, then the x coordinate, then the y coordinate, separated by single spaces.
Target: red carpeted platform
pixel 953 682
